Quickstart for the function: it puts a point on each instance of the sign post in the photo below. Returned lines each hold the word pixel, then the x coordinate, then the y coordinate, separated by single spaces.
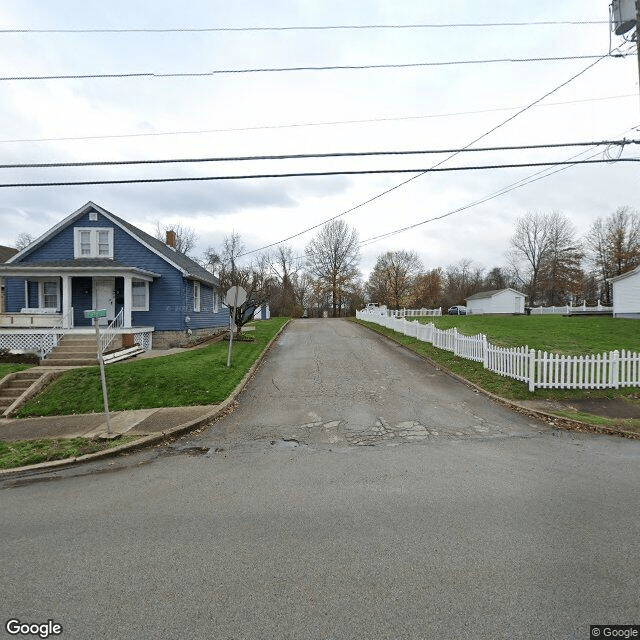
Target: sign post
pixel 95 314
pixel 236 296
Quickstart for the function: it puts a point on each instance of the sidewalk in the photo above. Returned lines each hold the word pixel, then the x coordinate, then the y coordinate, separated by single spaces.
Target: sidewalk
pixel 90 425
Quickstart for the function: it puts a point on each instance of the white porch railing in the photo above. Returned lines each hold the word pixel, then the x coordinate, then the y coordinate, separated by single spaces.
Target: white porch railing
pixel 49 339
pixel 107 335
pixel 540 370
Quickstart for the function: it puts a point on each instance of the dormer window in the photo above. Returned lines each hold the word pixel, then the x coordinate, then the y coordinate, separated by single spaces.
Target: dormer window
pixel 93 243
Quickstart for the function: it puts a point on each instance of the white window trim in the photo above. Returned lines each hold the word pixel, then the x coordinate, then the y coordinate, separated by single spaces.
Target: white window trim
pixel 41 292
pixel 196 296
pixel 94 242
pixel 215 305
pixel 146 295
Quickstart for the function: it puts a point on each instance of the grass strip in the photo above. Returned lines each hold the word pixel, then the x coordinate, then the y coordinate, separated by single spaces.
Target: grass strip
pixel 195 377
pixel 20 453
pixel 7 368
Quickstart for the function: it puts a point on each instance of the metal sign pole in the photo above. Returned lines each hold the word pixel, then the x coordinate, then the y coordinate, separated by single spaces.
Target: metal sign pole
pixel 102 378
pixel 232 320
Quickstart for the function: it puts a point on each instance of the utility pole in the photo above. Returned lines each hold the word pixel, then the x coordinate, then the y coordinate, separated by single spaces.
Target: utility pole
pixel 638 38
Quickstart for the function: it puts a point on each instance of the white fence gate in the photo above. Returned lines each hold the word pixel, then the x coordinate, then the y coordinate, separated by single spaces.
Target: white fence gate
pixel 540 370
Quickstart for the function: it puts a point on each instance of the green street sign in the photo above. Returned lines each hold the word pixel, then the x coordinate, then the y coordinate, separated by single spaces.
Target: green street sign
pixel 95 313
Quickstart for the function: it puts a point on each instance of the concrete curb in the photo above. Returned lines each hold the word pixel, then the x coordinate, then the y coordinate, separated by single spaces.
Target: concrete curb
pixel 154 438
pixel 558 422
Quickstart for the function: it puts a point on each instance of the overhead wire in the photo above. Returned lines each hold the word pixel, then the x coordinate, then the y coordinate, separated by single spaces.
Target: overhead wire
pixel 353 67
pixel 405 182
pixel 18 30
pixel 307 174
pixel 306 124
pixel 306 156
pixel 539 175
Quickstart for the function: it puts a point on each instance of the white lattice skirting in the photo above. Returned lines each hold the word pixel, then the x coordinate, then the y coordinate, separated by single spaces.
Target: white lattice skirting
pixel 144 340
pixel 29 342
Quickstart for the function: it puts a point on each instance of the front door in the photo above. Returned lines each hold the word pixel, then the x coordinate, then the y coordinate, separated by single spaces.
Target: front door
pixel 104 297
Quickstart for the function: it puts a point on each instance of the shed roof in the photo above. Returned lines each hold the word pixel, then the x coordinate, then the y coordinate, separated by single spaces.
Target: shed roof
pixel 493 292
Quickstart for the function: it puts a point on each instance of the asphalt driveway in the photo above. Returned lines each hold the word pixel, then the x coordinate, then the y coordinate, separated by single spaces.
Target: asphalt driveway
pixel 334 382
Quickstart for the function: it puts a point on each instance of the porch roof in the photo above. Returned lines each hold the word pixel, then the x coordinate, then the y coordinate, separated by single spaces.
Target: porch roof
pixel 79 267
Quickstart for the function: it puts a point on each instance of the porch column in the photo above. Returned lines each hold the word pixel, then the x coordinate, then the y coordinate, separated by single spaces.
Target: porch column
pixel 128 302
pixel 67 310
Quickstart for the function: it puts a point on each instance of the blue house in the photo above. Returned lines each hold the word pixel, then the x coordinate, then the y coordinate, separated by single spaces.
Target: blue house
pixel 95 260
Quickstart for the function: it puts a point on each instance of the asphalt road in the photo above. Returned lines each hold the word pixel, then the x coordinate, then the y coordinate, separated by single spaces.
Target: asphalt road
pixel 356 492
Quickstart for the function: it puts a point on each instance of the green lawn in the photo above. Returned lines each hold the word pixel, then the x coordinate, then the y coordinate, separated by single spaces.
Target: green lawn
pixel 575 335
pixel 196 377
pixel 6 369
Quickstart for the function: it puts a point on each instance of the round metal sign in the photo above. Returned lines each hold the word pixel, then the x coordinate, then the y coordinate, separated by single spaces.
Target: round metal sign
pixel 236 296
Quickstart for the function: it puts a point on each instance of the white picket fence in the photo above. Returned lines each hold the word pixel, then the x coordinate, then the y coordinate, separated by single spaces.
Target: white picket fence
pixel 540 370
pixel 414 313
pixel 568 309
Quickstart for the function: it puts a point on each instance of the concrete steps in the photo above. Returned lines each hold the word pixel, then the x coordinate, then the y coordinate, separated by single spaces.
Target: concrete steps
pixel 18 387
pixel 72 351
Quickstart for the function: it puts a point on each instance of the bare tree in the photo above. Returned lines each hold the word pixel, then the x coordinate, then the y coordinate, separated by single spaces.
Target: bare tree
pixel 560 274
pixel 332 259
pixel 23 240
pixel 462 280
pixel 613 246
pixel 256 278
pixel 285 267
pixel 393 279
pixel 186 238
pixel 429 288
pixel 530 244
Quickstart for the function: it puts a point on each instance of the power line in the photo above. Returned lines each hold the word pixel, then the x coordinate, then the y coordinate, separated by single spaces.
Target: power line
pixel 306 124
pixel 315 28
pixel 539 175
pixel 304 156
pixel 405 182
pixel 214 72
pixel 303 174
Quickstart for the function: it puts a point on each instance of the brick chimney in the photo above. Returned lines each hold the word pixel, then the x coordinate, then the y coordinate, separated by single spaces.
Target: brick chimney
pixel 171 239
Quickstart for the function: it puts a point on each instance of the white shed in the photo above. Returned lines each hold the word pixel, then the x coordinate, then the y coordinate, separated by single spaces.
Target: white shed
pixel 626 294
pixel 496 301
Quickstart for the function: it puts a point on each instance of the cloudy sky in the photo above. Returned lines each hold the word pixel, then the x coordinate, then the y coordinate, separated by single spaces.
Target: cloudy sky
pixel 315 111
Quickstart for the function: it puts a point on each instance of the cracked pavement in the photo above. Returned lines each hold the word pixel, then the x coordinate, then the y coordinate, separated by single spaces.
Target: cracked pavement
pixel 330 383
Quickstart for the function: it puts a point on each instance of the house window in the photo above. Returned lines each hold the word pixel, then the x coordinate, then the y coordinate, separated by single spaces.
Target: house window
pixel 48 294
pixel 104 246
pixel 139 295
pixel 196 296
pixel 216 301
pixel 85 243
pixel 93 243
pixel 93 216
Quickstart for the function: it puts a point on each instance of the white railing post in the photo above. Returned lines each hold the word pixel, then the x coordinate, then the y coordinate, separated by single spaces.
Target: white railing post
pixel 485 352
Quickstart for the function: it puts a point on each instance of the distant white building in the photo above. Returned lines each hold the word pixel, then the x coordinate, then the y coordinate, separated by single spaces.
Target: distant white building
pixel 626 294
pixel 496 301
